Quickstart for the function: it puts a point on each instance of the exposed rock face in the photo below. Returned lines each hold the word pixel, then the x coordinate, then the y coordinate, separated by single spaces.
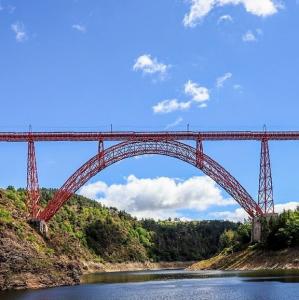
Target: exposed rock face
pixel 23 267
pixel 27 260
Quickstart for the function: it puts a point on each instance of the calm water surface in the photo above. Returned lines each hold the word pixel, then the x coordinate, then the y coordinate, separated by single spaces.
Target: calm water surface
pixel 173 284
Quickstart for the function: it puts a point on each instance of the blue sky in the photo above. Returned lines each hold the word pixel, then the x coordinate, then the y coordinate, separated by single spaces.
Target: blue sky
pixel 152 65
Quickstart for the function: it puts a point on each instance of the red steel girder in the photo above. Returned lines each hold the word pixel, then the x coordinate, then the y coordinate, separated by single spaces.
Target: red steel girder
pixel 128 149
pixel 199 154
pixel 265 196
pixel 145 136
pixel 33 192
pixel 101 154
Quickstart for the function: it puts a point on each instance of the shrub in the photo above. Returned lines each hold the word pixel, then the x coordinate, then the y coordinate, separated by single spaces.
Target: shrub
pixel 5 216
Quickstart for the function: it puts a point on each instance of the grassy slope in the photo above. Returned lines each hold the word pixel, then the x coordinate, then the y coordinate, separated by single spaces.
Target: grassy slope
pixel 251 259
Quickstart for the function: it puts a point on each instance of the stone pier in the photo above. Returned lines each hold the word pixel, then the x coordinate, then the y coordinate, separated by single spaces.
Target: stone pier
pixel 256 231
pixel 41 226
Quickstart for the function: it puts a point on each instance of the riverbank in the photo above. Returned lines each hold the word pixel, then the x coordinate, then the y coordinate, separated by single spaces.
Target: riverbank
pixel 30 261
pixel 22 271
pixel 175 285
pixel 91 267
pixel 251 259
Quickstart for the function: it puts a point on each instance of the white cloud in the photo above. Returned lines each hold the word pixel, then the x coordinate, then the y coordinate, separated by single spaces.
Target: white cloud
pixel 198 10
pixel 79 28
pixel 92 190
pixel 149 65
pixel 197 92
pixel 220 80
pixel 167 106
pixel 280 207
pixel 160 197
pixel 19 29
pixel 239 214
pixel 261 8
pixel 201 8
pixel 249 36
pixel 178 121
pixel 225 18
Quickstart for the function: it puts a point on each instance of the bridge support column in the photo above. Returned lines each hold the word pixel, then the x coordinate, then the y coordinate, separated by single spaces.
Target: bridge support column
pixel 258 224
pixel 256 230
pixel 199 153
pixel 265 195
pixel 41 227
pixel 101 153
pixel 33 193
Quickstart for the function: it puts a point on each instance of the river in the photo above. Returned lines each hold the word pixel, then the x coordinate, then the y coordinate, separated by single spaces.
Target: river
pixel 172 284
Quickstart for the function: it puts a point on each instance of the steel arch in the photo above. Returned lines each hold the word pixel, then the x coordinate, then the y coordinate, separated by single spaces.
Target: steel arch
pixel 133 148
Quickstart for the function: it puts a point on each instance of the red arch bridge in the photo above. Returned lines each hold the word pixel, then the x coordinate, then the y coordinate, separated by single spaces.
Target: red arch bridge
pixel 131 144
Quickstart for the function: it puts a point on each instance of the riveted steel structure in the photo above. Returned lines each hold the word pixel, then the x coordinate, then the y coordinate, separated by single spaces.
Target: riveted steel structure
pixel 265 196
pixel 169 135
pixel 162 143
pixel 33 193
pixel 133 148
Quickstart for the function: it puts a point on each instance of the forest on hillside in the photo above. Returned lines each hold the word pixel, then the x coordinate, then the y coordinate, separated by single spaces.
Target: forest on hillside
pixel 279 232
pixel 115 236
pixel 110 235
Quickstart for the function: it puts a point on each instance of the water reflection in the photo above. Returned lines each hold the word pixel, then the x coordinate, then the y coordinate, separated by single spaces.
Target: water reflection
pixel 173 285
pixel 141 276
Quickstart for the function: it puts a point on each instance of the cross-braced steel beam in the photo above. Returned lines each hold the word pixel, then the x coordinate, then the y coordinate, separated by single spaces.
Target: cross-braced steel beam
pixel 174 149
pixel 265 196
pixel 199 153
pixel 33 193
pixel 101 153
pixel 166 143
pixel 141 136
